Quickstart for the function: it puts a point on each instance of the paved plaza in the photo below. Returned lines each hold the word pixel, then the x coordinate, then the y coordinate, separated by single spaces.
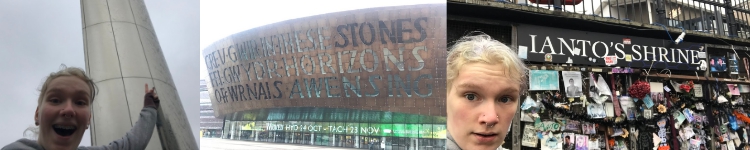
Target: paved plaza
pixel 224 144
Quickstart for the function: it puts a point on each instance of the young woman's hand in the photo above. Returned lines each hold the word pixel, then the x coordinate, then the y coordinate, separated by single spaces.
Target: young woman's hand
pixel 151 99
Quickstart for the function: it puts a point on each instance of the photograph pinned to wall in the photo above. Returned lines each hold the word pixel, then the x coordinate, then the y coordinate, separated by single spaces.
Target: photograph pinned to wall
pixel 622 70
pixel 596 111
pixel 688 114
pixel 632 113
pixel 647 113
pixel 589 128
pixel 625 105
pixel 582 142
pixel 593 143
pixel 572 125
pixel 734 67
pixel 657 97
pixel 573 83
pixel 569 141
pixel 698 90
pixel 744 88
pixel 616 132
pixel 530 138
pixel 541 80
pixel 718 63
pixel 679 117
pixel 610 109
pixel 734 89
pixel 621 145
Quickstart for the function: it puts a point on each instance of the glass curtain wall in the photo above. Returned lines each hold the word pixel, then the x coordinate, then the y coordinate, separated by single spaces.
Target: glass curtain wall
pixel 339 128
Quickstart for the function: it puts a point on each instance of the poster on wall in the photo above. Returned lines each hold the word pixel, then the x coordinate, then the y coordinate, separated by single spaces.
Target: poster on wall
pixel 573 84
pixel 530 138
pixel 540 80
pixel 582 142
pixel 569 141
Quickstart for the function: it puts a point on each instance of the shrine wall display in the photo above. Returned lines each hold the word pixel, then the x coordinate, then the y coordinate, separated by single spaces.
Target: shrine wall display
pixel 591 90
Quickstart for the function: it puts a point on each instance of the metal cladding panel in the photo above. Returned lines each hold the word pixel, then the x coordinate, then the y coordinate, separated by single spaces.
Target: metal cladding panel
pixel 382 59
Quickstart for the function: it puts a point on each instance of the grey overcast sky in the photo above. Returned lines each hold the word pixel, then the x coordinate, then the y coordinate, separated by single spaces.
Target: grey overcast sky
pixel 37 36
pixel 222 18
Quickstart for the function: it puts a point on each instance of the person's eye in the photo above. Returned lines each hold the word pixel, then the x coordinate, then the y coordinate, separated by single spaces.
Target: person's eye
pixel 470 96
pixel 54 100
pixel 506 99
pixel 81 103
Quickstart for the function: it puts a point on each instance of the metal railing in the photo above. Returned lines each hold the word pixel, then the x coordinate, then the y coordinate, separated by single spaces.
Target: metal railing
pixel 729 18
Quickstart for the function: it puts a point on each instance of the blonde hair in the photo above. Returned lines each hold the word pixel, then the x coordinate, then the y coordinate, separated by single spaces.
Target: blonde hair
pixel 483 49
pixel 68 71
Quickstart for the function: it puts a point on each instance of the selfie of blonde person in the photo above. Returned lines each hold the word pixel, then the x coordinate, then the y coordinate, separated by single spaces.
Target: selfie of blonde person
pixel 484 82
pixel 63 114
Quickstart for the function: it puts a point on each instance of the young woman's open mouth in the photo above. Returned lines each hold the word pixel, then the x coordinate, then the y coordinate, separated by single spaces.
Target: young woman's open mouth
pixel 64 131
pixel 485 137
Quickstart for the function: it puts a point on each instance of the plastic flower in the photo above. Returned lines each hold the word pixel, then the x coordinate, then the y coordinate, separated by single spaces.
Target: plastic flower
pixel 687 87
pixel 662 108
pixel 639 89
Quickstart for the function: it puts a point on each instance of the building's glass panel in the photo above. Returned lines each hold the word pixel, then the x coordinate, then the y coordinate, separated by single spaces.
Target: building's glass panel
pixel 338 127
pixel 386 129
pixel 425 131
pixel 354 115
pixel 293 114
pixel 387 117
pixel 399 118
pixel 411 118
pixel 439 130
pixel 352 128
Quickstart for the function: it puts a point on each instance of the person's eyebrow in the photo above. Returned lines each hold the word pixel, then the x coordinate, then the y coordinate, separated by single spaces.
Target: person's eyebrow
pixel 468 86
pixel 53 90
pixel 58 90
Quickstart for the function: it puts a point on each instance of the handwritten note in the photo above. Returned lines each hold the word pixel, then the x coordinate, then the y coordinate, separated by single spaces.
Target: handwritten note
pixel 529 138
pixel 547 126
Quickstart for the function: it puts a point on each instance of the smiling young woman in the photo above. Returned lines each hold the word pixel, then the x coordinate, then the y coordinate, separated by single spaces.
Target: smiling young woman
pixel 484 82
pixel 64 110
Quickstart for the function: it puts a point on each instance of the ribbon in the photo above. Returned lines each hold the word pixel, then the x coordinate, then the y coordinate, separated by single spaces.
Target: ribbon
pixel 747 68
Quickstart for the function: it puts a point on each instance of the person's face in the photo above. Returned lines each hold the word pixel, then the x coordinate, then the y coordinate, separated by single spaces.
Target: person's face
pixel 570 82
pixel 567 140
pixel 481 103
pixel 64 113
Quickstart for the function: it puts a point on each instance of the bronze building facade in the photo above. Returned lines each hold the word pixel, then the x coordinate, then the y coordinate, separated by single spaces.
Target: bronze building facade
pixel 368 78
